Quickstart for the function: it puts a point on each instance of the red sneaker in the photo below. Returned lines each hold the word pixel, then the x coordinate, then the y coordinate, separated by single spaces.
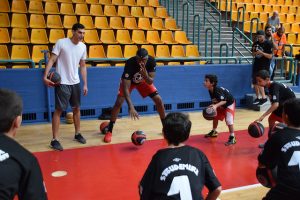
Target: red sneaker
pixel 107 137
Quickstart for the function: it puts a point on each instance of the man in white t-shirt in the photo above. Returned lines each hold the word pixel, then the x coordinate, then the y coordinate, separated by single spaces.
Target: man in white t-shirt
pixel 68 53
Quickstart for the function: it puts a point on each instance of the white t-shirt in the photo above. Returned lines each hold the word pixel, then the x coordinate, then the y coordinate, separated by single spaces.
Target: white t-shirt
pixel 69 56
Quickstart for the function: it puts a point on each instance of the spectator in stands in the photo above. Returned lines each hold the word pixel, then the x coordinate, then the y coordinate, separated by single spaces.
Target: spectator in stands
pixel 262 53
pixel 68 53
pixel 269 36
pixel 19 170
pixel 178 171
pixel 274 21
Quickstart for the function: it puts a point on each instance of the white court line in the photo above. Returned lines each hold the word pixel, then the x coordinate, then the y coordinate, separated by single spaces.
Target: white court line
pixel 241 188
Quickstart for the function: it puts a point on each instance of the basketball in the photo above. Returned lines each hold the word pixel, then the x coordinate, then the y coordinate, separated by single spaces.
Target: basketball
pixel 104 127
pixel 54 77
pixel 69 118
pixel 138 137
pixel 266 177
pixel 256 129
pixel 209 113
pixel 275 128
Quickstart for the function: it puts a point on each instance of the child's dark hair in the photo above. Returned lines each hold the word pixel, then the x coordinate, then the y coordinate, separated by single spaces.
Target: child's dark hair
pixel 291 108
pixel 77 26
pixel 264 74
pixel 212 79
pixel 176 128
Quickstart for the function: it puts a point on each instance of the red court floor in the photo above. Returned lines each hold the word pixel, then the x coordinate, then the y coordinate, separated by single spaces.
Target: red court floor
pixel 112 172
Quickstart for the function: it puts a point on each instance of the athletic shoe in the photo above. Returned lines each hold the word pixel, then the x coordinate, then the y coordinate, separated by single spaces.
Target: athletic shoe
pixel 231 141
pixel 107 137
pixel 212 133
pixel 261 146
pixel 79 138
pixel 256 101
pixel 56 145
pixel 262 101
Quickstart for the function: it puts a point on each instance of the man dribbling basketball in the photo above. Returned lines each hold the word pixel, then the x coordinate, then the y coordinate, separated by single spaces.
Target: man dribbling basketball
pixel 139 73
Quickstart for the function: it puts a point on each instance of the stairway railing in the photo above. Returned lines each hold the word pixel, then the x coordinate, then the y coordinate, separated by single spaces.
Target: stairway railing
pixel 196 17
pixel 208 7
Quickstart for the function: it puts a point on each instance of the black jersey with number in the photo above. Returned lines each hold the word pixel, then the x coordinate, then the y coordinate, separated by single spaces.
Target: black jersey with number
pixel 177 174
pixel 20 173
pixel 283 150
pixel 132 69
pixel 279 92
pixel 221 94
pixel 260 61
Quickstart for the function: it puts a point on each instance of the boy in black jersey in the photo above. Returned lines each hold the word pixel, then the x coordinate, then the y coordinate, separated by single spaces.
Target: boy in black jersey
pixel 224 103
pixel 20 173
pixel 139 72
pixel 179 171
pixel 283 150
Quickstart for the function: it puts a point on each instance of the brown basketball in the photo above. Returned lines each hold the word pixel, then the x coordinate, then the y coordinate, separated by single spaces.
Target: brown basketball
pixel 209 113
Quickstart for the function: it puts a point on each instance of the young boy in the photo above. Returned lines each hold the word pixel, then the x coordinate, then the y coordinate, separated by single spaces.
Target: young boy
pixel 178 171
pixel 224 103
pixel 282 150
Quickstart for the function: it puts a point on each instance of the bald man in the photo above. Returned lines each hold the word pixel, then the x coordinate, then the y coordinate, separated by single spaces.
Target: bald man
pixel 274 21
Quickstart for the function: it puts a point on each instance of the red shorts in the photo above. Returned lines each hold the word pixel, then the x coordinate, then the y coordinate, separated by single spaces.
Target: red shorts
pixel 275 118
pixel 143 88
pixel 226 113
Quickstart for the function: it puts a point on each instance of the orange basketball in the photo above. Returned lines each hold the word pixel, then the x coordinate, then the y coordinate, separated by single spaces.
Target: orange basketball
pixel 104 127
pixel 138 137
pixel 69 118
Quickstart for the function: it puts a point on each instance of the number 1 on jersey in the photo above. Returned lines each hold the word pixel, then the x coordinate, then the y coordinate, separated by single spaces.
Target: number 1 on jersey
pixel 181 185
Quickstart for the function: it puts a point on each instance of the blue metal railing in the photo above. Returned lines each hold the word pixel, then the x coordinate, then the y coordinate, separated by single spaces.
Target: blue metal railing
pixel 196 17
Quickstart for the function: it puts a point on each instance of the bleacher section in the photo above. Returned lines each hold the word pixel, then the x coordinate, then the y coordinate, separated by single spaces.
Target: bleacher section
pixel 114 29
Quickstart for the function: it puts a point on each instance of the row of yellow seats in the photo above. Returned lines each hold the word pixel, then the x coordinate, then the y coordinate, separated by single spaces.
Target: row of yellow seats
pixel 293 38
pixel 123 36
pixel 265 2
pixel 68 8
pixel 251 7
pixel 263 17
pixel 289 27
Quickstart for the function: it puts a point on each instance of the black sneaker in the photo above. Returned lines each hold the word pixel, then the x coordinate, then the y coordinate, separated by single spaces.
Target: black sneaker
pixel 56 145
pixel 256 101
pixel 262 101
pixel 79 138
pixel 212 133
pixel 231 141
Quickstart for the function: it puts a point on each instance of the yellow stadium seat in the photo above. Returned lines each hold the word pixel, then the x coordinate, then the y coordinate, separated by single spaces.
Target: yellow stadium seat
pixel 130 51
pixel 4 20
pixel 101 23
pixel 297 18
pixel 123 11
pixel 67 9
pixel 110 10
pixel 96 51
pixel 273 2
pixel 247 25
pixel 154 3
pixel 255 1
pixel 69 21
pixel 37 53
pixel 293 9
pixel 223 6
pixel 253 15
pixel 167 37
pixel 4 35
pixel 19 20
pixel 149 12
pixel 296 50
pixel 157 24
pixel 295 28
pixel 18 6
pixel 117 2
pixel 162 12
pixel 114 51
pixel 39 36
pixel 4 55
pixel 116 23
pixel 138 37
pixel 249 7
pixel 153 37
pixel 258 8
pixel 181 38
pixel 20 67
pixel 20 52
pixel 123 37
pixel 282 17
pixel 19 36
pixel 296 2
pixel 141 2
pixel 91 37
pixel 264 2
pixel 268 8
pixel 276 8
pixel 162 51
pixel 150 49
pixel 144 23
pixel 290 18
pixel 170 24
pixel 287 27
pixel 56 34
pixel 130 23
pixel 62 1
pixel 105 2
pixel 284 9
pixel 136 11
pixel 129 2
pixel 108 37
pixel 87 21
pixel 177 51
pixel 37 21
pixel 4 6
pixel 54 21
pixel 263 17
pixel 78 1
pixel 36 7
pixel 81 9
pixel 96 10
pixel 291 38
pixel 280 2
pixel 51 8
pixel 191 51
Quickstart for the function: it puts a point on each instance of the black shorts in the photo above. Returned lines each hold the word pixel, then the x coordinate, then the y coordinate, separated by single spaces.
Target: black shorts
pixel 257 69
pixel 65 94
